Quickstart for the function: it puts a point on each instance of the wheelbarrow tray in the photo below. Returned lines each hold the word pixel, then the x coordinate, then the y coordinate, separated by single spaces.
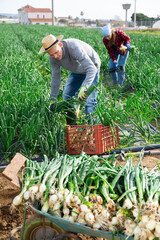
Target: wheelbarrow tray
pixel 78 228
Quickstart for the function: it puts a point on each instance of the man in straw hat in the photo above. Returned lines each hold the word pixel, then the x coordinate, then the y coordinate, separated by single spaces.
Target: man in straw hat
pixel 81 60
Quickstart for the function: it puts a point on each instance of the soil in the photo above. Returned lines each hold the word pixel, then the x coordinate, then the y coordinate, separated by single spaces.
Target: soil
pixel 9 220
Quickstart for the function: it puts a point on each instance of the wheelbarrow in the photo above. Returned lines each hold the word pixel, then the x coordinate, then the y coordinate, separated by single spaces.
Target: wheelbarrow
pixel 58 228
pixel 44 226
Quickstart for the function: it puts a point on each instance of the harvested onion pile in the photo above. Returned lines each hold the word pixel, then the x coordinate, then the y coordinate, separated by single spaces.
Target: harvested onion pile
pixel 95 192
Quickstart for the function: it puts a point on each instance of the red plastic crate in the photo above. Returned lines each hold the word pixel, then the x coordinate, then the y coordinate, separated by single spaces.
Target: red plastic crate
pixel 92 139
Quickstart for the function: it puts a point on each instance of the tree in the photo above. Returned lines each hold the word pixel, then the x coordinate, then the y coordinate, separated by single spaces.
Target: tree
pixel 82 13
pixel 143 20
pixel 63 21
pixel 139 17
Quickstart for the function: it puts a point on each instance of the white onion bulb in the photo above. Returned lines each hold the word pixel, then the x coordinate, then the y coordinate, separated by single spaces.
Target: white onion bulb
pixel 127 204
pixel 26 195
pixel 89 217
pixel 151 224
pixel 17 200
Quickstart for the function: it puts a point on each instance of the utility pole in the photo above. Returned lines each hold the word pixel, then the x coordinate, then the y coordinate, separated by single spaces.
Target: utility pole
pixel 52 12
pixel 134 13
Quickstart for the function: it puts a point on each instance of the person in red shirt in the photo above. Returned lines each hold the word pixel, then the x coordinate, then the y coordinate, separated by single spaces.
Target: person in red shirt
pixel 118 45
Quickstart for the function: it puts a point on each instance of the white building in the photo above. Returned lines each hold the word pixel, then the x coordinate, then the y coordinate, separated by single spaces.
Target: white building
pixel 8 20
pixel 31 15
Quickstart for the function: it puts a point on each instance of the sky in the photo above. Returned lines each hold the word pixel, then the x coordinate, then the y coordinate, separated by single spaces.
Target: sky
pixel 92 9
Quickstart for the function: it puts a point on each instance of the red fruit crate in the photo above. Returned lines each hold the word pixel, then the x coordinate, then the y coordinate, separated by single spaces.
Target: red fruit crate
pixel 92 139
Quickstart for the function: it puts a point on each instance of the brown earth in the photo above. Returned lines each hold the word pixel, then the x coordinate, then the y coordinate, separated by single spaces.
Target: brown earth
pixel 9 220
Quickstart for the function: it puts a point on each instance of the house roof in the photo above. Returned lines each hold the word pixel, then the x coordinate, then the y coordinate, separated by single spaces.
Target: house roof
pixel 29 8
pixel 40 19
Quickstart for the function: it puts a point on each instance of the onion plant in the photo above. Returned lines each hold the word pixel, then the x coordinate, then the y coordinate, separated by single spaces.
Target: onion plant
pixel 26 123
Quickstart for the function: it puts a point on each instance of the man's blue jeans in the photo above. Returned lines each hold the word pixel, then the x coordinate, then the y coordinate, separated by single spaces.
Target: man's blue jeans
pixel 72 86
pixel 118 76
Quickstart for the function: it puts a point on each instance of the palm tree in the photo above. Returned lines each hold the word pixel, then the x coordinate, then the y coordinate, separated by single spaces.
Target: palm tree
pixel 82 13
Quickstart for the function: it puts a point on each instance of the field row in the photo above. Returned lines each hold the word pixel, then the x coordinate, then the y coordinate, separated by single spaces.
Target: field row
pixel 26 123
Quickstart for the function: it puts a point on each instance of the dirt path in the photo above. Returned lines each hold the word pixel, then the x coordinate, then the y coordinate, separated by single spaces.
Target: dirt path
pixel 10 220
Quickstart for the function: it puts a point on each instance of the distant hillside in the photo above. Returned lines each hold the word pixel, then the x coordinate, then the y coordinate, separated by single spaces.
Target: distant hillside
pixel 8 15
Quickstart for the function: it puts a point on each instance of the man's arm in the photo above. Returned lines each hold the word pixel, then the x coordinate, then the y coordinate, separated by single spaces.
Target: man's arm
pixel 89 67
pixel 55 80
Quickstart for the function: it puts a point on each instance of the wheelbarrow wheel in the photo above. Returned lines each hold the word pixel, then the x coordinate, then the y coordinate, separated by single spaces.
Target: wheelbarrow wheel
pixel 38 227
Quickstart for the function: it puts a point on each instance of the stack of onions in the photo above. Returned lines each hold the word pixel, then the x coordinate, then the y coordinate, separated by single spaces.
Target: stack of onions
pixel 95 192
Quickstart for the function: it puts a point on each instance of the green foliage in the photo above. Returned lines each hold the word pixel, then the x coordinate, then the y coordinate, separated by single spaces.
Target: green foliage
pixel 140 17
pixel 26 123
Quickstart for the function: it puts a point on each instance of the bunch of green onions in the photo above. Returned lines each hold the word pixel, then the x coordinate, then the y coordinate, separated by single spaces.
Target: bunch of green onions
pixel 93 191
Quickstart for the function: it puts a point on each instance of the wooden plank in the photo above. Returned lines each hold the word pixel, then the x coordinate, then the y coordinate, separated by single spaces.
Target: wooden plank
pixel 16 181
pixel 14 167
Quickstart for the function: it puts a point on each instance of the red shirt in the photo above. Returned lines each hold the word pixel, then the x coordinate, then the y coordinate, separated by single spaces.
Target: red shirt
pixel 121 38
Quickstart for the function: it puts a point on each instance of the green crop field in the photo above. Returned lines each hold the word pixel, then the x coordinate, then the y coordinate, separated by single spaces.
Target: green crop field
pixel 29 127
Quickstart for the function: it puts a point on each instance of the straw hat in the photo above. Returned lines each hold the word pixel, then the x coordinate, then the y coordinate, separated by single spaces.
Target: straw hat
pixel 48 42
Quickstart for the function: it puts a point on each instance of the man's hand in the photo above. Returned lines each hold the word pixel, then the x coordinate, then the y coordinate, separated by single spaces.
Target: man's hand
pixel 52 104
pixel 82 95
